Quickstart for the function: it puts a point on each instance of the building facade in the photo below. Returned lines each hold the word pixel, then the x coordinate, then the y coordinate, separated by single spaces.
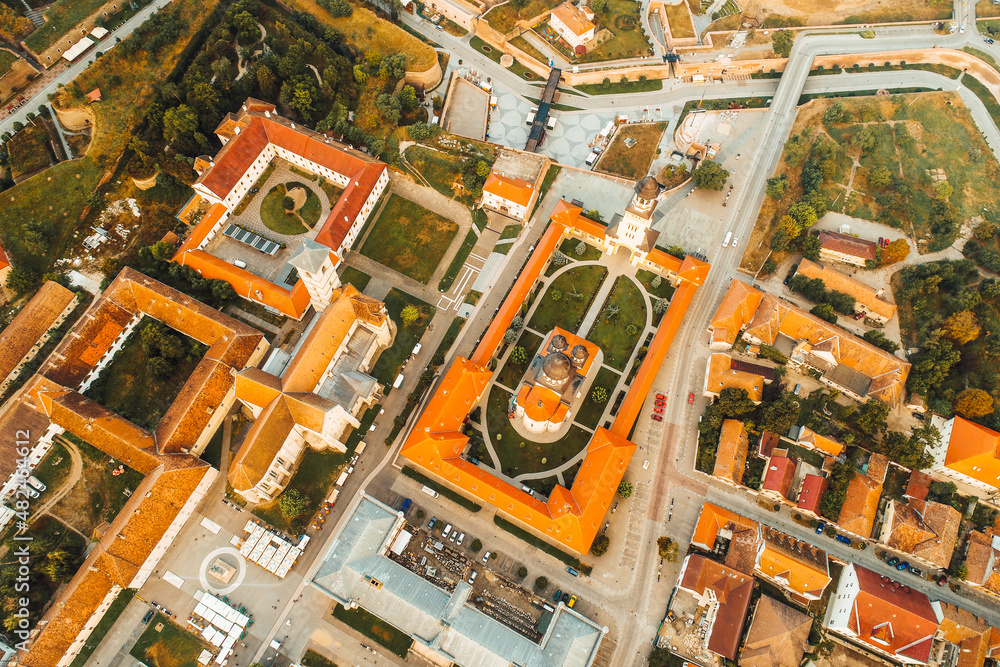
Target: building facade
pixel 573 24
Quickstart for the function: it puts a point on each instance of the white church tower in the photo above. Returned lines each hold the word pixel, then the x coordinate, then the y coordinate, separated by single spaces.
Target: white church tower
pixel 635 229
pixel 315 263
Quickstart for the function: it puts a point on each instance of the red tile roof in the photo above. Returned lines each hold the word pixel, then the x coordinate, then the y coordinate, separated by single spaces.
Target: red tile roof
pixel 732 589
pixel 813 488
pixel 778 477
pixel 899 616
pixel 848 245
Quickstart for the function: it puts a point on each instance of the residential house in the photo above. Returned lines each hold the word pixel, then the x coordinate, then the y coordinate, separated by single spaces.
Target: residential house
pixel 722 372
pixel 969 453
pixel 811 493
pixel 883 616
pixel 315 399
pixel 722 596
pixel 982 561
pixel 837 247
pixel 808 438
pixel 778 635
pixel 847 363
pixel 573 24
pixel 922 528
pixel 731 455
pixel 24 337
pixel 510 196
pixel 867 300
pixel 857 514
pixel 778 474
pixel 964 639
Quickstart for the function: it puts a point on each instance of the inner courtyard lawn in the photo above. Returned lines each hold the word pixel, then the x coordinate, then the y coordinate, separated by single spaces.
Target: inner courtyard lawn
pixel 590 411
pixel 518 454
pixel 567 311
pixel 511 373
pixel 315 475
pixel 618 334
pixel 277 219
pixel 410 239
pixel 171 646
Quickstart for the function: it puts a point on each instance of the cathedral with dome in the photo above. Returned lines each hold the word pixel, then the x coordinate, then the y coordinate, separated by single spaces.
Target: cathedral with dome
pixel 554 380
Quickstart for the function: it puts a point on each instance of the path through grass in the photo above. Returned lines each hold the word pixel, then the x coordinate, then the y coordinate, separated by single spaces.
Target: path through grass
pixel 410 239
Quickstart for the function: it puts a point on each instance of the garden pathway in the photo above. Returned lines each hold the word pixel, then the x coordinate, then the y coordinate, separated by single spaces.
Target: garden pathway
pixel 250 217
pixel 70 481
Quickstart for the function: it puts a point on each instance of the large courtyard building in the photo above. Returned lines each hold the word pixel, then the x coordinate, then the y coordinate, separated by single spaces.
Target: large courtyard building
pixel 230 243
pixel 554 380
pixel 24 337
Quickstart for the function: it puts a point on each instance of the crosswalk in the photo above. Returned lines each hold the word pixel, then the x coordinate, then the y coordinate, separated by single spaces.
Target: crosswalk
pixel 466 276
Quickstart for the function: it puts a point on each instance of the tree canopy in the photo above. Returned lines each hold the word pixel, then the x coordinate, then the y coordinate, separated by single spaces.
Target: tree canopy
pixel 710 175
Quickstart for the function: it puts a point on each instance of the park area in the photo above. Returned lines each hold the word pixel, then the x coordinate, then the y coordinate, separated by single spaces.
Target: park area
pixel 290 208
pixel 620 323
pixel 782 13
pixel 410 239
pixel 390 361
pixel 505 17
pixel 620 33
pixel 165 644
pixel 568 298
pixel 632 150
pixel 883 159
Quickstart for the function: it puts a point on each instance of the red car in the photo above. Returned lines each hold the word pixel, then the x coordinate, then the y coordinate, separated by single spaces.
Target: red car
pixel 658 411
pixel 691 397
pixel 660 404
pixel 661 397
pixel 656 417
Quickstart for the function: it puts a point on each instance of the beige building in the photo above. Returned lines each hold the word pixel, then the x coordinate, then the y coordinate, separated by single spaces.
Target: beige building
pixel 837 247
pixel 573 24
pixel 867 300
pixel 510 196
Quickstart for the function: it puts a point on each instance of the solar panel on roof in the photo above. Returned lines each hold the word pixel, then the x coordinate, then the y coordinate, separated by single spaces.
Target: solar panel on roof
pixel 230 230
pixel 259 243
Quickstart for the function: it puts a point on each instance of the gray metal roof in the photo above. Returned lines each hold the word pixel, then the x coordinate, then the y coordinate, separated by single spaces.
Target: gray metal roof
pixel 847 377
pixel 309 256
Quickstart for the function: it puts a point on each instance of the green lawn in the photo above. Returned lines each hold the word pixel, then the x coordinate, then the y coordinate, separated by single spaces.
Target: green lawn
pixel 313 479
pixel 525 45
pixel 623 20
pixel 105 501
pixel 410 239
pixel 172 646
pixel 311 208
pixel 621 88
pixel 511 373
pixel 61 17
pixel 567 311
pixel 276 218
pixel 505 17
pixel 125 386
pixel 680 21
pixel 454 497
pixel 374 628
pixel 518 455
pixel 7 60
pixel 612 334
pixel 53 468
pixel 355 277
pixel 391 360
pixel 633 162
pixel 590 253
pixel 98 633
pixel 441 170
pixel 664 290
pixel 589 413
pixel 332 190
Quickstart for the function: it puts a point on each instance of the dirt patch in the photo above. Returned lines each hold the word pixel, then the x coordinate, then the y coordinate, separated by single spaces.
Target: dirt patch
pixel 298 196
pixel 75 119
pixel 830 12
pixel 21 72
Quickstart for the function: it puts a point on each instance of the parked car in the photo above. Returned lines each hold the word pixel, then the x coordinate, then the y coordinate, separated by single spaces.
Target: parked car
pixel 916 570
pixel 797 389
pixel 572 602
pixel 820 527
pixel 919 416
pixel 658 410
pixel 880 239
pixel 37 484
pixel 472 577
pixel 486 557
pixel 565 597
pixel 461 538
pixel 661 397
pixel 430 524
pixel 659 403
pixel 656 417
pixel 942 580
pixel 903 566
pixel 573 572
pixel 148 617
pixel 892 562
pixel 615 508
pixel 844 539
pixel 557 596
pixel 690 397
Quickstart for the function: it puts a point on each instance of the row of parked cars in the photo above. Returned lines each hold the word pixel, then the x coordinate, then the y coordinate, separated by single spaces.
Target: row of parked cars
pixel 34 487
pixel 891 561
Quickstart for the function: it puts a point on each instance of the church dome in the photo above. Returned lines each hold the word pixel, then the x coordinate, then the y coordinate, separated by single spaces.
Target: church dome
pixel 648 188
pixel 559 343
pixel 557 366
pixel 580 355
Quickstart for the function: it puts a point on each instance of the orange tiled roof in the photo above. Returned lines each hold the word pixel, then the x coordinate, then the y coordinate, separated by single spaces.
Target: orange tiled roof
pixel 845 284
pixel 731 457
pixel 721 376
pixel 573 18
pixel 736 310
pixel 35 319
pixel 779 474
pixel 516 190
pixel 857 514
pixel 813 440
pixel 713 519
pixel 974 450
pixel 901 617
pixel 803 568
pixel 732 589
pixel 813 488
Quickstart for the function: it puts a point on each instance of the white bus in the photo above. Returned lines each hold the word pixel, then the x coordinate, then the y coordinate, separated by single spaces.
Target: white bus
pixel 729 236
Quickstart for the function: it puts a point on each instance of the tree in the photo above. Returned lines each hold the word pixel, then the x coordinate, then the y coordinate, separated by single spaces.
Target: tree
pixel 880 177
pixel 810 247
pixel 599 395
pixel 735 402
pixel 555 294
pixel 668 549
pixel 409 315
pixel 179 124
pixel 408 98
pixel 878 339
pixel 580 248
pixel 510 337
pixel 835 113
pixel 933 363
pixel 661 657
pixel 518 355
pixel 781 42
pixel 541 583
pixel 522 572
pixel 896 251
pixel 943 190
pixel 292 503
pixel 559 258
pixel 517 323
pixel 962 327
pixel 247 31
pixel 337 7
pixel 476 546
pixel 985 230
pixel 710 175
pixel 288 204
pixel 776 186
pixel 973 403
pixel 600 545
pixel 865 140
pixel 871 417
pixel 599 6
pixel 824 311
pixel 595 215
pixel 984 516
pixel 56 565
pixel 656 282
pixel 779 416
pixel 660 305
pixel 625 489
pixel 21 279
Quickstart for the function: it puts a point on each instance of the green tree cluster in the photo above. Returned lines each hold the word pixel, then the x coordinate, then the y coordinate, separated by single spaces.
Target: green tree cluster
pixel 710 175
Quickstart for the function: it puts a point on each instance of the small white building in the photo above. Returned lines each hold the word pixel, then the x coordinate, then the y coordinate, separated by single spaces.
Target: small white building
pixel 573 24
pixel 510 196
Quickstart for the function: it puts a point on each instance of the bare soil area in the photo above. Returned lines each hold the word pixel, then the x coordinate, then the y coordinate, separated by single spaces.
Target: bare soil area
pixel 830 12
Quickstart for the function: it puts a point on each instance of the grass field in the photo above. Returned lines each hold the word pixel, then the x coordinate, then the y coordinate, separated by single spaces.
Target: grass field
pixel 505 17
pixel 61 17
pixel 526 46
pixel 621 88
pixel 612 333
pixel 511 373
pixel 458 261
pixel 353 276
pixel 29 150
pixel 987 8
pixel 519 455
pixel 314 659
pixel 567 311
pixel 632 163
pixel 276 218
pixel 407 335
pixel 410 239
pixel 663 291
pixel 170 646
pixel 7 60
pixel 125 387
pixel 315 475
pixel 374 628
pixel 99 495
pixel 680 21
pixel 623 21
pixel 589 413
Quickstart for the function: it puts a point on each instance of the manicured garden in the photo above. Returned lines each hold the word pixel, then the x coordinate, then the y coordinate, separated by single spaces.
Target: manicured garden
pixel 505 17
pixel 632 161
pixel 590 411
pixel 410 239
pixel 620 323
pixel 407 336
pixel 662 291
pixel 165 644
pixel 374 628
pixel 298 218
pixel 7 60
pixel 512 372
pixel 628 40
pixel 518 454
pixel 567 299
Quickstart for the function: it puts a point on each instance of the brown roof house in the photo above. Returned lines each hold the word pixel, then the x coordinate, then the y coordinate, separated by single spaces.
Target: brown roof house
pixel 31 328
pixel 867 300
pixel 721 596
pixel 175 479
pixel 857 515
pixel 723 372
pixel 972 639
pixel 922 528
pixel 778 635
pixel 982 561
pixel 734 313
pixel 314 401
pixel 731 456
pixel 837 247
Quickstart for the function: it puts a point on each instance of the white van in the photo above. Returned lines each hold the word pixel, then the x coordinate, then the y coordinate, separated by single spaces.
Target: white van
pixel 430 492
pixel 37 484
pixel 446 531
pixel 239 263
pixel 729 237
pixel 592 158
